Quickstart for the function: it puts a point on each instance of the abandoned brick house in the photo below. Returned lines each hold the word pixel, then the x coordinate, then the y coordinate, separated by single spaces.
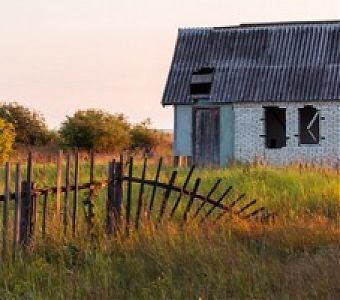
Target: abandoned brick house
pixel 257 91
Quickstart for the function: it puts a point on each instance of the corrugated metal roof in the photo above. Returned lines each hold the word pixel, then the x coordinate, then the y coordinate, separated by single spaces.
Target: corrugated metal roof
pixel 259 62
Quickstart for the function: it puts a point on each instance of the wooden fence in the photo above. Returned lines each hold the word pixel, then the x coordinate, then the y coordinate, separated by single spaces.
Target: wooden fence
pixel 121 202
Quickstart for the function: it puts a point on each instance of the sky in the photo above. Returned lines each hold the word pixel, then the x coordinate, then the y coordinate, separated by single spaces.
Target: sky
pixel 61 56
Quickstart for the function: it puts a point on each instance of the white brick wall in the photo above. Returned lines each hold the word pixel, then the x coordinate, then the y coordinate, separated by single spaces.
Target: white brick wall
pixel 250 146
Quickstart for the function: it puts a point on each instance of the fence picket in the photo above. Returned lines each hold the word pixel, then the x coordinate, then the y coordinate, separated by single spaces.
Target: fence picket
pixel 128 196
pixel 167 195
pixel 67 191
pixel 239 198
pixel 30 200
pixel 212 190
pixel 58 185
pixel 186 182
pixel 251 203
pixel 154 188
pixel 44 214
pixel 17 209
pixel 75 194
pixel 141 194
pixel 191 199
pixel 6 209
pixel 209 212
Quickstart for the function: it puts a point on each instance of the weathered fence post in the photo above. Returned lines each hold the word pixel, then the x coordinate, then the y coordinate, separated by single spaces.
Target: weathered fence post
pixel 58 185
pixel 128 197
pixel 67 191
pixel 76 192
pixel 24 236
pixel 17 213
pixel 28 211
pixel 141 194
pixel 114 199
pixel 6 209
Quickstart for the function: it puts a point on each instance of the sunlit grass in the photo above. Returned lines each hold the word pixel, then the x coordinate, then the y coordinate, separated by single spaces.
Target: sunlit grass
pixel 296 257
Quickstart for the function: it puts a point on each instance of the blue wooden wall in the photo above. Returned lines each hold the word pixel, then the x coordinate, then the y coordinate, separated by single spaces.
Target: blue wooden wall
pixel 183 132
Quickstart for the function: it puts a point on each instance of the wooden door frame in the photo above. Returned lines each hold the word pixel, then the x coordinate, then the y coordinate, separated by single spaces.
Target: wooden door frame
pixel 194 110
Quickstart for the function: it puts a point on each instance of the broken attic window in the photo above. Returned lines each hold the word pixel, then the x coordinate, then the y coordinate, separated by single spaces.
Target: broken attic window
pixel 201 81
pixel 309 125
pixel 275 127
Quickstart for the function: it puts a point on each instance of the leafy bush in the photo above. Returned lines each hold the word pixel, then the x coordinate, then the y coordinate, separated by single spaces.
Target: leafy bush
pixel 142 137
pixel 7 136
pixel 30 126
pixel 96 130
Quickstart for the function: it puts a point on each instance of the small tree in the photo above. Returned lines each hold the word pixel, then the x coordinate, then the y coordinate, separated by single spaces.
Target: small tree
pixel 30 126
pixel 142 137
pixel 96 130
pixel 7 137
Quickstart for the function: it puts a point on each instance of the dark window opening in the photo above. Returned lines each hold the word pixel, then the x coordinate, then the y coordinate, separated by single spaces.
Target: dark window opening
pixel 200 88
pixel 203 71
pixel 275 127
pixel 201 81
pixel 309 125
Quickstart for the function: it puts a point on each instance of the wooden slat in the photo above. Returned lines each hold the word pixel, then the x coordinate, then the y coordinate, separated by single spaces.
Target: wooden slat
pixel 141 194
pixel 230 207
pixel 128 196
pixel 186 182
pixel 212 190
pixel 110 198
pixel 209 212
pixel 76 192
pixel 58 185
pixel 191 199
pixel 5 216
pixel 251 203
pixel 92 162
pixel 155 184
pixel 17 212
pixel 255 212
pixel 118 194
pixel 31 203
pixel 67 191
pixel 167 195
pixel 44 214
pixel 25 216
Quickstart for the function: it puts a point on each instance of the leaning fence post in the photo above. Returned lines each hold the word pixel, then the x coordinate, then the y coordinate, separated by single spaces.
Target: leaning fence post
pixel 17 213
pixel 110 197
pixel 58 185
pixel 76 191
pixel 117 192
pixel 67 191
pixel 25 215
pixel 6 208
pixel 114 196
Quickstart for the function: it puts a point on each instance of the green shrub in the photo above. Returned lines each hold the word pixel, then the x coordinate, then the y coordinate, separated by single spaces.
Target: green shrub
pixel 7 136
pixel 142 137
pixel 96 130
pixel 30 126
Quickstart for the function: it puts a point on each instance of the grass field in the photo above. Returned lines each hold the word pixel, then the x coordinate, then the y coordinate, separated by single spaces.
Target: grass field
pixel 297 257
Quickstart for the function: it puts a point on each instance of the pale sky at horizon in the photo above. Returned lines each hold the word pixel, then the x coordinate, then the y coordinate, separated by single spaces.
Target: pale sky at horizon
pixel 60 56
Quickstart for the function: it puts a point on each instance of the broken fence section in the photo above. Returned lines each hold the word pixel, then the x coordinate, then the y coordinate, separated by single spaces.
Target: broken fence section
pixel 127 203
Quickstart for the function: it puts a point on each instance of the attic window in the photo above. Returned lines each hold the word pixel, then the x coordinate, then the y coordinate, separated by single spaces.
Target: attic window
pixel 201 81
pixel 275 127
pixel 309 125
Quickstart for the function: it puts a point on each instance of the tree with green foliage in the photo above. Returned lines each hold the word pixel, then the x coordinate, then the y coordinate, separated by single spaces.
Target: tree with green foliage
pixel 7 137
pixel 96 130
pixel 142 137
pixel 30 126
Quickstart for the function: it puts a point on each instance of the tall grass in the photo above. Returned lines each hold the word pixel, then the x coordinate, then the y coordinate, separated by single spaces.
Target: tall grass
pixel 297 257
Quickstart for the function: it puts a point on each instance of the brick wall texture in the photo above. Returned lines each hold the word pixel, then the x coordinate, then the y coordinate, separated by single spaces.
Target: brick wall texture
pixel 249 146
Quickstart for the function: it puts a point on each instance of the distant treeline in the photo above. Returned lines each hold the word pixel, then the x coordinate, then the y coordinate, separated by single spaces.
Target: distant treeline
pixel 90 129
